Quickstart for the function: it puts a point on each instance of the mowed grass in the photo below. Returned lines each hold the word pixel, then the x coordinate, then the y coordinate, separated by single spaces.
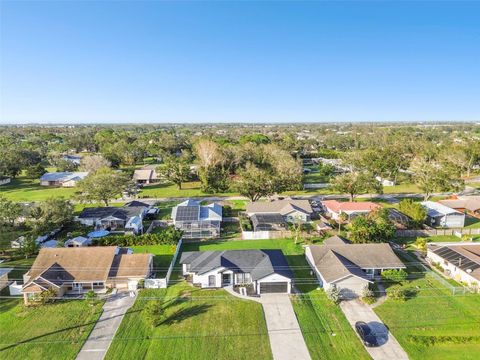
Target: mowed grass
pixel 28 190
pixel 325 329
pixel 198 324
pixel 162 259
pixel 435 324
pixel 53 331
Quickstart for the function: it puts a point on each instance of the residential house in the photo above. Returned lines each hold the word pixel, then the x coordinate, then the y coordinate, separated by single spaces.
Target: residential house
pixel 146 175
pixel 268 222
pixel 266 271
pixel 385 182
pixel 334 208
pixel 197 221
pixel 126 218
pixel 439 215
pixel 78 241
pixel 64 179
pixel 350 267
pixel 464 204
pixel 291 210
pixel 79 270
pixel 4 277
pixel 460 261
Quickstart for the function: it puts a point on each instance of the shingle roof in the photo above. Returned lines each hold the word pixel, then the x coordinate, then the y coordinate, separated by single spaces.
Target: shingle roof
pixel 279 206
pixel 81 264
pixel 259 263
pixel 335 240
pixel 143 174
pixel 353 257
pixel 123 213
pixel 338 206
pixel 130 265
pixel 471 203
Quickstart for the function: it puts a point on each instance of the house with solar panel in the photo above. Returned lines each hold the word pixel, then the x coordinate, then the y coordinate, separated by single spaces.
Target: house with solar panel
pixel 197 221
pixel 460 261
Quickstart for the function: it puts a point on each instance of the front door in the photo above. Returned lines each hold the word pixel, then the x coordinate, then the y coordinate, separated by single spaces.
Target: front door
pixel 211 281
pixel 226 279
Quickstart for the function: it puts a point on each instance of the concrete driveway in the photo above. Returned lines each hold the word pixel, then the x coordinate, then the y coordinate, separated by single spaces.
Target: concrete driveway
pixel 389 349
pixel 97 344
pixel 286 339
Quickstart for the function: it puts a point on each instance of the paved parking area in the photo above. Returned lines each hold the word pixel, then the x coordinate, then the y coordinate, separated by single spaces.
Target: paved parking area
pixel 354 311
pixel 286 338
pixel 97 344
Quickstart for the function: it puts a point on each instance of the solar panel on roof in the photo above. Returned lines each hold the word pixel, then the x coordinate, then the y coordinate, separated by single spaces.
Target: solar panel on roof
pixel 457 259
pixel 187 213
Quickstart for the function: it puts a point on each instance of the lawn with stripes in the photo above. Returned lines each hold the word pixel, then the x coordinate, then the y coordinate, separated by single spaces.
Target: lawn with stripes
pixel 325 329
pixel 52 331
pixel 197 324
pixel 435 323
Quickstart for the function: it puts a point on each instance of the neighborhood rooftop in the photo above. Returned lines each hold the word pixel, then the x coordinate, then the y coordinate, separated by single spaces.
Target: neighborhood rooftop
pixel 63 176
pixel 283 207
pixel 435 209
pixel 463 256
pixel 260 263
pixel 339 206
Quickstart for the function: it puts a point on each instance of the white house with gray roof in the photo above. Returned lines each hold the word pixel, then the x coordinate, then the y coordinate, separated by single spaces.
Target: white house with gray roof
pixel 64 179
pixel 439 215
pixel 267 271
pixel 197 221
pixel 350 267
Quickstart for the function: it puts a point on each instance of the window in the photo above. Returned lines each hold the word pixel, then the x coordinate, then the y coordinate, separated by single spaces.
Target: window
pixel 242 278
pixel 99 283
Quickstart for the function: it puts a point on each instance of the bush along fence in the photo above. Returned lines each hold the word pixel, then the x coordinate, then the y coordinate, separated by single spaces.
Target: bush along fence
pixel 436 232
pixel 165 236
pixel 162 283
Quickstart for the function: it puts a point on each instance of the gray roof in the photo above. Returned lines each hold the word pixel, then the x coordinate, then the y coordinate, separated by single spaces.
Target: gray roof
pixel 259 263
pixel 335 240
pixel 63 176
pixel 435 209
pixel 279 206
pixel 123 213
pixel 4 271
pixel 335 261
pixel 191 210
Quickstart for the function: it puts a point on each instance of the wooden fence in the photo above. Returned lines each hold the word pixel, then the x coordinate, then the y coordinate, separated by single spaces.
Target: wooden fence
pixel 436 232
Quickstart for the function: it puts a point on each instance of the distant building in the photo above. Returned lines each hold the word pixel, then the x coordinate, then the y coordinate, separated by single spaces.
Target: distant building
pixel 145 175
pixel 4 180
pixel 126 218
pixel 439 215
pixel 287 209
pixel 197 221
pixel 72 159
pixel 78 241
pixel 465 204
pixel 64 179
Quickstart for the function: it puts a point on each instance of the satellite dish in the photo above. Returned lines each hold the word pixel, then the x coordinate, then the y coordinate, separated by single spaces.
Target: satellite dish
pixel 469 271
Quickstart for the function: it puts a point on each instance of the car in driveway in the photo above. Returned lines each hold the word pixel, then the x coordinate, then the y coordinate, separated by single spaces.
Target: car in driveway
pixel 367 334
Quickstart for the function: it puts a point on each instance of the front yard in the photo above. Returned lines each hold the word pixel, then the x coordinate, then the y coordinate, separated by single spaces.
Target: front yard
pixel 325 329
pixel 434 323
pixel 198 324
pixel 54 331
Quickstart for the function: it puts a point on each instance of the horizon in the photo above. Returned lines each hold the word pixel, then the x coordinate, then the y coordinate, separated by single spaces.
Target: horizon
pixel 239 62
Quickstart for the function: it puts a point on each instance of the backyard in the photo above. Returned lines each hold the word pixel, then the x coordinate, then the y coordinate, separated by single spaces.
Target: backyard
pixel 162 259
pixel 200 324
pixel 53 331
pixel 323 324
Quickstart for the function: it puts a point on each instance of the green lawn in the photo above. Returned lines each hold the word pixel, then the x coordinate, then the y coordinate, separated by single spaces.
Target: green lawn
pixel 472 222
pixel 401 188
pixel 163 256
pixel 325 329
pixel 54 331
pixel 314 178
pixel 28 190
pixel 189 189
pixel 199 324
pixel 435 324
pixel 20 267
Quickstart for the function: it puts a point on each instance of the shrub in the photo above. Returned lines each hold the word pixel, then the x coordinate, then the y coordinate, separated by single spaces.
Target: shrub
pixel 394 275
pixel 368 296
pixel 414 210
pixel 421 244
pixel 333 294
pixel 163 236
pixel 401 293
pixel 154 313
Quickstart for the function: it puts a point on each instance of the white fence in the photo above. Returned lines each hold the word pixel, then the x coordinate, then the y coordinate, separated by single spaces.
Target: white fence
pixel 262 235
pixel 15 289
pixel 162 283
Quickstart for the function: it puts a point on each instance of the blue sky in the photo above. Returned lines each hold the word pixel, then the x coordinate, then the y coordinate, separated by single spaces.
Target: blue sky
pixel 218 61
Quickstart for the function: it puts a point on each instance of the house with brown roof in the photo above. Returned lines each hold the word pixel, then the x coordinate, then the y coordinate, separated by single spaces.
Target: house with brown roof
pixel 460 261
pixel 146 175
pixel 464 204
pixel 74 271
pixel 275 215
pixel 350 267
pixel 333 208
